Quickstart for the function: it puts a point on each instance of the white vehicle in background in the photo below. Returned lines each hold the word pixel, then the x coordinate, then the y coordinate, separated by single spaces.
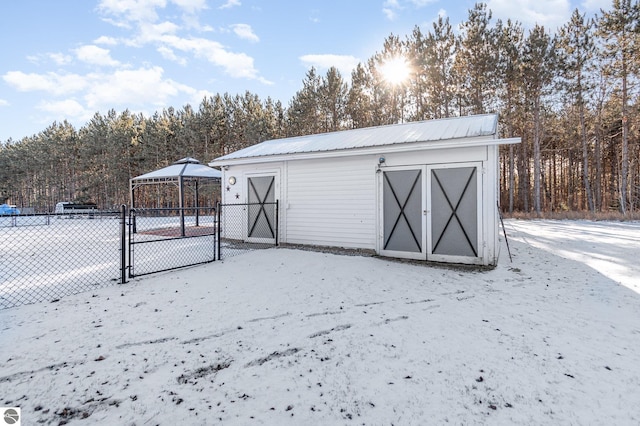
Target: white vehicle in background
pixel 67 207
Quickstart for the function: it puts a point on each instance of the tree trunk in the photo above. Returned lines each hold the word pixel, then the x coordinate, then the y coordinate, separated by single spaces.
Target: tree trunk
pixel 536 156
pixel 512 179
pixel 624 169
pixel 585 165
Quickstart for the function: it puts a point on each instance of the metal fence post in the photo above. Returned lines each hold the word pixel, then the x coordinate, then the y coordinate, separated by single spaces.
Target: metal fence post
pixel 277 224
pixel 123 244
pixel 218 234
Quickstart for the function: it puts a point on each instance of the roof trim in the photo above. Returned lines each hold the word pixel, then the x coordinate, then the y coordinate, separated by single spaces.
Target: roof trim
pixel 375 150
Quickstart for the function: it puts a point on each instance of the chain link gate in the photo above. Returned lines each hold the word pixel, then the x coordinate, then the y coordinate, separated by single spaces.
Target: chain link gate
pixel 163 239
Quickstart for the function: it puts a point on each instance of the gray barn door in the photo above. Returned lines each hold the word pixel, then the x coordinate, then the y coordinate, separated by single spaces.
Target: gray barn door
pixel 453 222
pixel 402 217
pixel 261 216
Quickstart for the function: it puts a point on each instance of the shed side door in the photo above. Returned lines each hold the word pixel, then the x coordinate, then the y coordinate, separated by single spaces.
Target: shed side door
pixel 402 216
pixel 454 220
pixel 261 209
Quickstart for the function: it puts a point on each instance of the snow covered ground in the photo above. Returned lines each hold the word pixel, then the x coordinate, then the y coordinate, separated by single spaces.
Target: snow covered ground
pixel 295 337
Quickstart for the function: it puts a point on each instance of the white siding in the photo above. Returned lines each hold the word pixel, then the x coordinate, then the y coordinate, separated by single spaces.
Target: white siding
pixel 436 156
pixel 332 203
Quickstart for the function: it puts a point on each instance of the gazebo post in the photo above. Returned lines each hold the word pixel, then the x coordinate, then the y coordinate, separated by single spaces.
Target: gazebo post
pixel 181 191
pixel 132 196
pixel 197 206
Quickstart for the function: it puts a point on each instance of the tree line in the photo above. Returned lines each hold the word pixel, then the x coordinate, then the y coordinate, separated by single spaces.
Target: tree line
pixel 571 95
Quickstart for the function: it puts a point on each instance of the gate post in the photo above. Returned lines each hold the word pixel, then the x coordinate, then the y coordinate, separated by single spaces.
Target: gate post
pixel 123 244
pixel 218 213
pixel 277 224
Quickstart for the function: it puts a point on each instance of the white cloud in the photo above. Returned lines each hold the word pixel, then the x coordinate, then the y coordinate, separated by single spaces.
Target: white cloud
pixel 390 9
pixel 596 5
pixel 237 65
pixel 99 91
pixel 151 33
pixel 132 87
pixel 4 103
pixel 191 6
pixel 245 32
pixel 422 3
pixel 344 63
pixel 60 58
pixel 109 41
pixel 132 10
pixel 66 108
pixel 549 13
pixel 168 41
pixel 53 83
pixel 230 3
pixel 170 55
pixel 95 55
pixel 390 14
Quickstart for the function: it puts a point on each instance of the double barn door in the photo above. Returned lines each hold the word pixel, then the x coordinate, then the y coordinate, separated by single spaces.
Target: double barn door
pixel 432 212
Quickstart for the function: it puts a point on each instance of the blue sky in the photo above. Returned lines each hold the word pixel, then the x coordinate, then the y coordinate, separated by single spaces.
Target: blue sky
pixel 68 59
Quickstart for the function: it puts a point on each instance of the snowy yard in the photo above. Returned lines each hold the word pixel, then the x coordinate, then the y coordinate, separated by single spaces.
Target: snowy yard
pixel 285 336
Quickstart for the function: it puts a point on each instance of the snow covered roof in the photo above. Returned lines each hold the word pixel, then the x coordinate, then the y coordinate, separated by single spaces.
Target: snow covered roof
pixel 186 167
pixel 457 128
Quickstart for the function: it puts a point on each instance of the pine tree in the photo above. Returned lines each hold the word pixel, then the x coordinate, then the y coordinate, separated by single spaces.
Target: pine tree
pixel 389 97
pixel 538 74
pixel 418 86
pixel 619 30
pixel 302 114
pixel 359 98
pixel 510 46
pixel 333 100
pixel 576 50
pixel 441 49
pixel 476 62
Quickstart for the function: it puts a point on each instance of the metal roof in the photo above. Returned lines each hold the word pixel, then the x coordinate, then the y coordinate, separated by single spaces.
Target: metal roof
pixel 186 167
pixel 418 131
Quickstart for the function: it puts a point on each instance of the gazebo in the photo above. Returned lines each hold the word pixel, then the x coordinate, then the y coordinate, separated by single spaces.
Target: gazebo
pixel 183 173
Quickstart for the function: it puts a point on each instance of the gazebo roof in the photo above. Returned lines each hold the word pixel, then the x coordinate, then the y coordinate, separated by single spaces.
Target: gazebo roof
pixel 186 168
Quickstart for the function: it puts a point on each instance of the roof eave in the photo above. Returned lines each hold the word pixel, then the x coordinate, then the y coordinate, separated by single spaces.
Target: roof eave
pixel 400 147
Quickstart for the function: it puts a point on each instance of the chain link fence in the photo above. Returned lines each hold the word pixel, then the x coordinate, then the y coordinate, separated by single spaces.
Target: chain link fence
pixel 246 227
pixel 170 238
pixel 44 257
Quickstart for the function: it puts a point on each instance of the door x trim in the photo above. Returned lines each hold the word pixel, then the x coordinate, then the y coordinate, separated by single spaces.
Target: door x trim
pixel 454 211
pixel 262 210
pixel 402 214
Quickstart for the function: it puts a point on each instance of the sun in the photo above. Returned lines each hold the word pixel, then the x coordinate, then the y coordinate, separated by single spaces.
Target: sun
pixel 395 70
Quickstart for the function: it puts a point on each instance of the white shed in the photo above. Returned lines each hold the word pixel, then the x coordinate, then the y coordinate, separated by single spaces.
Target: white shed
pixel 423 190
